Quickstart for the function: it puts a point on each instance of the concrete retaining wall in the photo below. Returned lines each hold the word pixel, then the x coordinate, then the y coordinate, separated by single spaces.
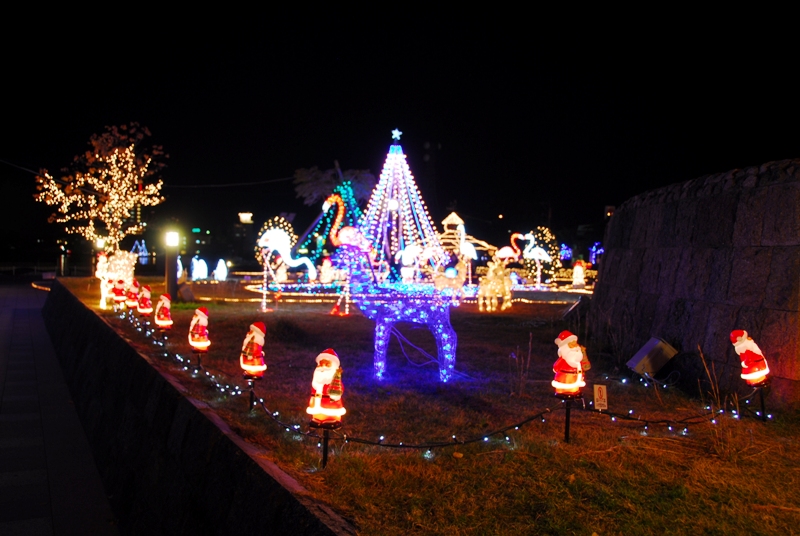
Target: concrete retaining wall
pixel 691 262
pixel 169 464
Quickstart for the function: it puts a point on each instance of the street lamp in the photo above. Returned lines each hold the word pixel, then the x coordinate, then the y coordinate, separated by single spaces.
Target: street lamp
pixel 171 240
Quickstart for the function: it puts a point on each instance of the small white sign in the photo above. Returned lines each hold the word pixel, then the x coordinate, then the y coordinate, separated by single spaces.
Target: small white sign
pixel 600 397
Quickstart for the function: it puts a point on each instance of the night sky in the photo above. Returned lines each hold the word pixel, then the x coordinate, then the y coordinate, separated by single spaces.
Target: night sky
pixel 544 131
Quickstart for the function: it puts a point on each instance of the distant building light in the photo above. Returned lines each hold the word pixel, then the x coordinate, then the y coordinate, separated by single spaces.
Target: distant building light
pixel 245 217
pixel 195 229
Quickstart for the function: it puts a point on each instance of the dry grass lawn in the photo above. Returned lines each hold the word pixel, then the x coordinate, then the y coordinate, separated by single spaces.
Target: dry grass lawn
pixel 733 477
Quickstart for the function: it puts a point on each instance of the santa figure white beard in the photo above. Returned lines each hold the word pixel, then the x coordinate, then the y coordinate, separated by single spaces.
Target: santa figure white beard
pixel 322 376
pixel 745 345
pixel 573 356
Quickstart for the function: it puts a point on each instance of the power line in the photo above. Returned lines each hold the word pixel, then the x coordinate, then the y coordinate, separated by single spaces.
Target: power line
pixel 235 184
pixel 226 185
pixel 19 167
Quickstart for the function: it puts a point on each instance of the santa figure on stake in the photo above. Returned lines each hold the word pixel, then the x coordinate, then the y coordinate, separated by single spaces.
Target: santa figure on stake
pixel 145 304
pixel 252 357
pixel 132 299
pixel 163 315
pixel 198 331
pixel 119 294
pixel 569 367
pixel 325 406
pixel 754 367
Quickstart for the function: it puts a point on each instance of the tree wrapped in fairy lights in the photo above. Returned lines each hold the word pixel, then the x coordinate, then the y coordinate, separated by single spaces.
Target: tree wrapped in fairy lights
pixel 339 210
pixel 102 194
pixel 396 217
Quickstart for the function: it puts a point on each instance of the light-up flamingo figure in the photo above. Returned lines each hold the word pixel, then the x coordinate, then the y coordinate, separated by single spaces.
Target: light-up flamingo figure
pixel 512 252
pixel 277 240
pixel 466 250
pixel 538 255
pixel 335 199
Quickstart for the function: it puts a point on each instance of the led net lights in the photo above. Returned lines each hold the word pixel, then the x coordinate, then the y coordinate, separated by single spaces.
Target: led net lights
pixel 396 216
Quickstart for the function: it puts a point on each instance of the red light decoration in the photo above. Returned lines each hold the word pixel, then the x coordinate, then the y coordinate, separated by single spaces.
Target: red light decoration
pixel 145 305
pixel 252 357
pixel 755 370
pixel 119 294
pixel 132 299
pixel 325 405
pixel 568 369
pixel 163 314
pixel 198 331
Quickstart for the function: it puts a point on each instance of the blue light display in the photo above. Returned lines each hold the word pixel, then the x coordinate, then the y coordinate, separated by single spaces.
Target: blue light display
pixel 388 303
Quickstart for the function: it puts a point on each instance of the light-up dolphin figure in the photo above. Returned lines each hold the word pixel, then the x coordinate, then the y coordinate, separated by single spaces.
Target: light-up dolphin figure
pixel 278 240
pixel 221 272
pixel 199 269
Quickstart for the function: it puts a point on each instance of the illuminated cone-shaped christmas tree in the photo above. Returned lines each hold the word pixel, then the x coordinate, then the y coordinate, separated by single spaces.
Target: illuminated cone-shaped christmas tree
pixel 396 216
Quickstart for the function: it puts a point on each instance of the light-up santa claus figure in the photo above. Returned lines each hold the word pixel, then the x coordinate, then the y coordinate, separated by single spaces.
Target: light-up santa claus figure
pixel 198 331
pixel 145 305
pixel 568 368
pixel 578 274
pixel 755 370
pixel 132 297
pixel 252 357
pixel 325 406
pixel 163 315
pixel 119 294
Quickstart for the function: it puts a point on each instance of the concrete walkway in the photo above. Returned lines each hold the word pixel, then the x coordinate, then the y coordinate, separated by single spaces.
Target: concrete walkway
pixel 48 480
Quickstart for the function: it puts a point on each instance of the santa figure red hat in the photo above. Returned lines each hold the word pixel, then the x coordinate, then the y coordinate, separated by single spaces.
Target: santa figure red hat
pixel 198 330
pixel 119 292
pixel 132 299
pixel 252 357
pixel 325 405
pixel 754 366
pixel 145 304
pixel 568 369
pixel 163 314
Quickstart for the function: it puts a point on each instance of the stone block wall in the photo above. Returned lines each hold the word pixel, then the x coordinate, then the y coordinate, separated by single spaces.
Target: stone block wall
pixel 169 464
pixel 693 261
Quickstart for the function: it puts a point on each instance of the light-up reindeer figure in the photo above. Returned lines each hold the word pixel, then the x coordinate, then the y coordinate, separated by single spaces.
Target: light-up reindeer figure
pixel 495 284
pixel 120 265
pixel 387 306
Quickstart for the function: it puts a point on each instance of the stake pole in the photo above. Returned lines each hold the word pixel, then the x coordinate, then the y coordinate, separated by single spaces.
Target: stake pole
pixel 325 436
pixel 566 422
